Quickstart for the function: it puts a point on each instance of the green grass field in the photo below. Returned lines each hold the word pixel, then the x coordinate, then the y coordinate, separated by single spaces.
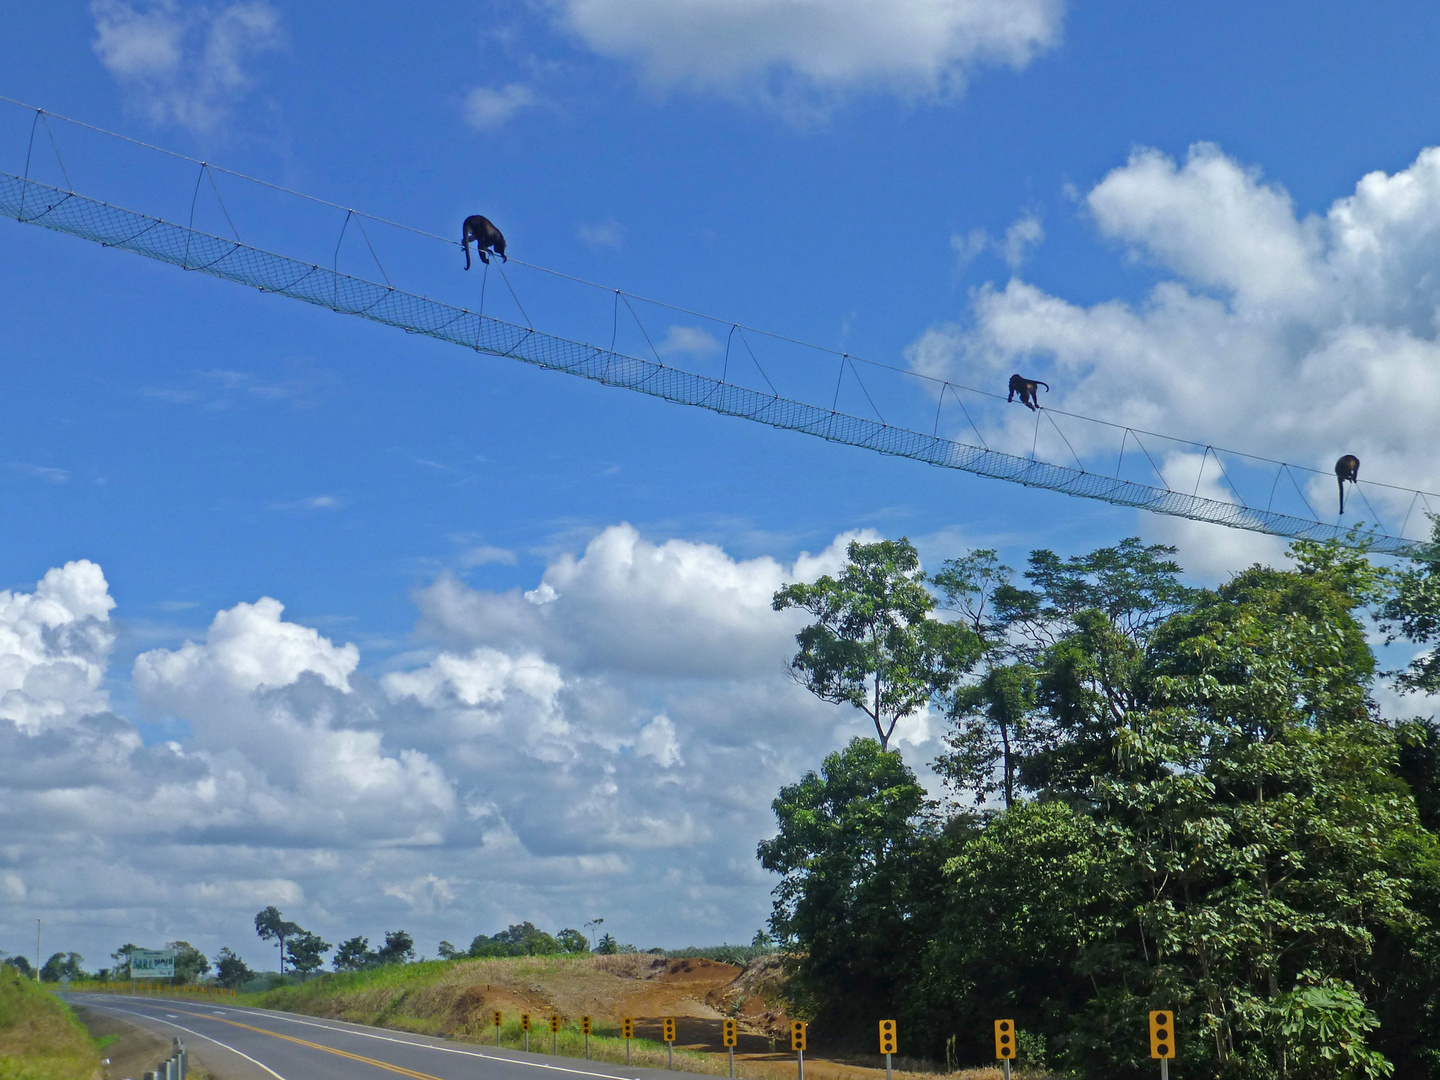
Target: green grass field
pixel 40 1039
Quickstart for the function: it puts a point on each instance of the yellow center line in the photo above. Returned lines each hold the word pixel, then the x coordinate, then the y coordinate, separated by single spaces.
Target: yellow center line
pixel 316 1046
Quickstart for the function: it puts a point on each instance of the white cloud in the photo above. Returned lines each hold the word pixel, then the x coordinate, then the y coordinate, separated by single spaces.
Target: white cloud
pixel 54 646
pixel 184 63
pixel 487 109
pixel 534 762
pixel 688 341
pixel 798 53
pixel 1298 338
pixel 248 648
pixel 602 234
pixel 1023 234
pixel 657 741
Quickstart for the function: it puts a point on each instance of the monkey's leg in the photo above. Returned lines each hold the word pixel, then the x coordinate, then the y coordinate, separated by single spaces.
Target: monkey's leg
pixel 1341 481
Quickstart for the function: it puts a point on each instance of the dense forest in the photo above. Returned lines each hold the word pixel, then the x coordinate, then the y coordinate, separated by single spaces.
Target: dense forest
pixel 1155 797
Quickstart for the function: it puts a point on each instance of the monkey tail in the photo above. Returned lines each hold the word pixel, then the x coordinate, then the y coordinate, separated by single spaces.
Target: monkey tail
pixel 465 243
pixel 1046 385
pixel 1341 481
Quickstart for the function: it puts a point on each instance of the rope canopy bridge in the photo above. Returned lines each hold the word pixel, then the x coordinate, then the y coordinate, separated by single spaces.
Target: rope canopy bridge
pixel 29 201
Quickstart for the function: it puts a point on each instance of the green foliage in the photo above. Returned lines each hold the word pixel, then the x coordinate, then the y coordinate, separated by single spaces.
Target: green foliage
pixel 448 951
pixel 607 945
pixel 305 951
pixel 63 965
pixel 355 954
pixel 739 955
pixel 875 644
pixel 572 941
pixel 399 948
pixel 1412 612
pixel 40 1039
pixel 853 841
pixel 190 963
pixel 1203 812
pixel 231 972
pixel 270 925
pixel 519 939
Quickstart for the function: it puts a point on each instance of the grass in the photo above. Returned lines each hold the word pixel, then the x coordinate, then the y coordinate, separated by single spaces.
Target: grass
pixel 40 1038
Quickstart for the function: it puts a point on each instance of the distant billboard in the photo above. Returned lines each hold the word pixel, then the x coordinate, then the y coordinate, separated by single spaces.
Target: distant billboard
pixel 152 963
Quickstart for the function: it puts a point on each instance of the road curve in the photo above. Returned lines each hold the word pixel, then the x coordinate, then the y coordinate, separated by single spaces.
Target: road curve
pixel 271 1045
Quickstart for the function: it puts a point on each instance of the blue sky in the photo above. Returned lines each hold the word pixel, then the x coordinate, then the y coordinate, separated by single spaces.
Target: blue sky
pixel 1154 207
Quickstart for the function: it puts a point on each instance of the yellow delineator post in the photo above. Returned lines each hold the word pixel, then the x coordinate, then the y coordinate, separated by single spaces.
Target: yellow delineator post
pixel 1162 1039
pixel 887 1043
pixel 525 1027
pixel 585 1030
pixel 729 1037
pixel 667 1026
pixel 497 1027
pixel 1005 1043
pixel 797 1043
pixel 627 1032
pixel 555 1033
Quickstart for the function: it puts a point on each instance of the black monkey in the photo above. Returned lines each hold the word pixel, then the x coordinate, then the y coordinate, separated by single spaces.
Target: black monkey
pixel 1347 468
pixel 1028 389
pixel 483 231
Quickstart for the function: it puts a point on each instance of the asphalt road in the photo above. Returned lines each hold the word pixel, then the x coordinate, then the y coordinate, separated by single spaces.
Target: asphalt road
pixel 257 1044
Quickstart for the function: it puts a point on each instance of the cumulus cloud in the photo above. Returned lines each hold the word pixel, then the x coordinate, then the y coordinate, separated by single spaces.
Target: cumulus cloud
pixel 608 233
pixel 488 108
pixel 796 55
pixel 1297 338
pixel 688 341
pixel 186 64
pixel 527 760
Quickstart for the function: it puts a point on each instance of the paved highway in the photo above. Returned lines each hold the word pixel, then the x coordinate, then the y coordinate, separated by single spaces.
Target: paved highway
pixel 257 1044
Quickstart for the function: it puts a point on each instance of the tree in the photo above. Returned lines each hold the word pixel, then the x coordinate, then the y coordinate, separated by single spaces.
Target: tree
pixel 855 852
pixel 572 941
pixel 399 948
pixel 448 951
pixel 355 954
pixel 306 951
pixel 519 939
pixel 20 964
pixel 63 965
pixel 190 963
pixel 270 925
pixel 231 972
pixel 121 956
pixel 991 716
pixel 607 945
pixel 1412 612
pixel 875 644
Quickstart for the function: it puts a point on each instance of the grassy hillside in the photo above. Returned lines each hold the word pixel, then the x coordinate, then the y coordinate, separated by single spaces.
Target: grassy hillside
pixel 40 1039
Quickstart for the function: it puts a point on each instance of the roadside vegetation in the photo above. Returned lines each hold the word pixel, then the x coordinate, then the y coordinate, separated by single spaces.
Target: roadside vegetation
pixel 1158 798
pixel 40 1039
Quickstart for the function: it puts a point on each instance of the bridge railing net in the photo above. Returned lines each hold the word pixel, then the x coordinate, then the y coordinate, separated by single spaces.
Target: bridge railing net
pixel 112 226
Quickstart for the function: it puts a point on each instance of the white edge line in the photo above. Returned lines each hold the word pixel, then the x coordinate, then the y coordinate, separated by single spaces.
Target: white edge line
pixel 275 1015
pixel 191 1031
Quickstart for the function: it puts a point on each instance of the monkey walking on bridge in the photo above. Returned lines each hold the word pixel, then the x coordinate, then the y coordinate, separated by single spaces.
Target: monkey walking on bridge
pixel 487 237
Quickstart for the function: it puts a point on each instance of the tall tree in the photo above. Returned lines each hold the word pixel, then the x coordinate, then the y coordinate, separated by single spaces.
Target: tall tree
pixel 270 925
pixel 399 948
pixel 855 850
pixel 875 643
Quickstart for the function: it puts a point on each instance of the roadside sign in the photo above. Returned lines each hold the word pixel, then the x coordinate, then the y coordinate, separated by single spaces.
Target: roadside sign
pixel 152 963
pixel 727 1032
pixel 627 1028
pixel 1005 1039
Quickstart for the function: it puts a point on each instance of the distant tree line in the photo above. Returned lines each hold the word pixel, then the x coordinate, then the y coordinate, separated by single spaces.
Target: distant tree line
pixel 1157 797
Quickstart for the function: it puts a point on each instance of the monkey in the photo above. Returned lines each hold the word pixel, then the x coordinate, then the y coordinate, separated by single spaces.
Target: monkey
pixel 483 231
pixel 1028 389
pixel 1347 468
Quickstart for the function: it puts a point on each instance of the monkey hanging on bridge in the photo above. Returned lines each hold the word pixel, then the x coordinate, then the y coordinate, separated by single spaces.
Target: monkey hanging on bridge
pixel 486 236
pixel 1347 468
pixel 1027 389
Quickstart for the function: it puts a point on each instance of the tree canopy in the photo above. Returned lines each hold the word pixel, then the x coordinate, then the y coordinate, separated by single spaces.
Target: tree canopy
pixel 1200 808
